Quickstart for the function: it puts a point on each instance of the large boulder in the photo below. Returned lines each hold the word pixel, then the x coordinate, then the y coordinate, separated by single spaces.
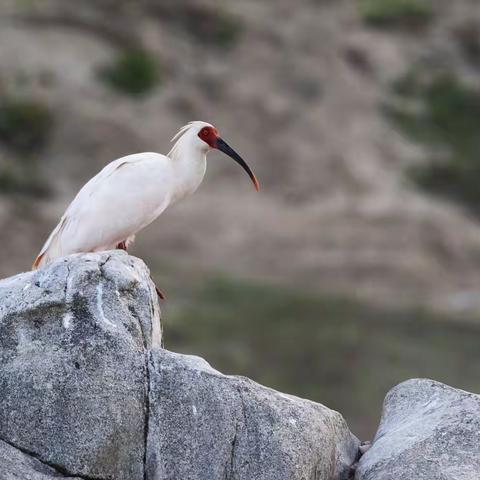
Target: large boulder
pixel 205 425
pixel 428 431
pixel 73 347
pixel 87 392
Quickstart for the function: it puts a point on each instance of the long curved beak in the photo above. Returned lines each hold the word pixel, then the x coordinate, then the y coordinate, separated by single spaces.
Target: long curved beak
pixel 228 150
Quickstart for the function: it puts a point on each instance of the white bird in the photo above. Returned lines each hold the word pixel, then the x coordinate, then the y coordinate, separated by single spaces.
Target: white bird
pixel 132 191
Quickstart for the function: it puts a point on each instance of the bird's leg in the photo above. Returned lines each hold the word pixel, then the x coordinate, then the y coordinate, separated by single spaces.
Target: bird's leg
pixel 122 246
pixel 160 294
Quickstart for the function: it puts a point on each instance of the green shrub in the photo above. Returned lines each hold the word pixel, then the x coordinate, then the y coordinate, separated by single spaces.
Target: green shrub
pixel 396 12
pixel 209 23
pixel 134 72
pixel 22 178
pixel 214 26
pixel 224 31
pixel 444 118
pixel 25 124
pixel 468 37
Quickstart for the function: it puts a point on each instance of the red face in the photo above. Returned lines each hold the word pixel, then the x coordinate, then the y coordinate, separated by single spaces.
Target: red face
pixel 209 135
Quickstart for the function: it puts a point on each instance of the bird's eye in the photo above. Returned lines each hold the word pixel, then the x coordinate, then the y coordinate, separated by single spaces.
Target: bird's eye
pixel 204 132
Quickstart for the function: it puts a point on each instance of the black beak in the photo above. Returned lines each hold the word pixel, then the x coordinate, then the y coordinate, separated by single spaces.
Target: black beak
pixel 228 150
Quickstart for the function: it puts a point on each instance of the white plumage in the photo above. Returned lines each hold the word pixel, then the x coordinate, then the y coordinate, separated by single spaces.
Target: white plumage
pixel 131 192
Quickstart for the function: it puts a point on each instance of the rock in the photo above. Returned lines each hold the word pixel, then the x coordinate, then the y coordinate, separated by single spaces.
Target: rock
pixel 364 447
pixel 428 431
pixel 209 426
pixel 73 342
pixel 16 465
pixel 88 393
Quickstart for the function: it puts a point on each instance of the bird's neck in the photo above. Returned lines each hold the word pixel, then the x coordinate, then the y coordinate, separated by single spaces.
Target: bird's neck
pixel 189 165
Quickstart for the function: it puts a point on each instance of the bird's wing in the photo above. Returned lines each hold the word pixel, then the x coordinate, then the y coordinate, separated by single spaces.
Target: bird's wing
pixel 83 225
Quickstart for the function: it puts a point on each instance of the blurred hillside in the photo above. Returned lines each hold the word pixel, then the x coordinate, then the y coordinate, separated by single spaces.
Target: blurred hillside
pixel 298 91
pixel 357 116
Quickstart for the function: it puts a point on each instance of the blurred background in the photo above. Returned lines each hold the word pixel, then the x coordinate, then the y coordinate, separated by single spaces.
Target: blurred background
pixel 357 266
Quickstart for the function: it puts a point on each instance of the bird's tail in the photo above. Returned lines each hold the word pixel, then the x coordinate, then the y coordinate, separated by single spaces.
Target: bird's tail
pixel 47 255
pixel 52 248
pixel 38 261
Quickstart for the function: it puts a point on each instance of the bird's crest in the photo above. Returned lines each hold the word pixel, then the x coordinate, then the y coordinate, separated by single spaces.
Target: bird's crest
pixel 182 130
pixel 179 135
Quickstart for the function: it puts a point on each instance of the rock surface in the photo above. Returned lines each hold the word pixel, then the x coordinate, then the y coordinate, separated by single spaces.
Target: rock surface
pixel 205 425
pixel 16 465
pixel 87 392
pixel 428 431
pixel 73 342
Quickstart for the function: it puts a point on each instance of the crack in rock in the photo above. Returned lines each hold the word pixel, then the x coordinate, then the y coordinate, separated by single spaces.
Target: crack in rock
pixel 239 423
pixel 58 469
pixel 148 363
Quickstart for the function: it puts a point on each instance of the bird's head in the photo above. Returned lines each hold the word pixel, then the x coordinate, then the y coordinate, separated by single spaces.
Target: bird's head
pixel 210 138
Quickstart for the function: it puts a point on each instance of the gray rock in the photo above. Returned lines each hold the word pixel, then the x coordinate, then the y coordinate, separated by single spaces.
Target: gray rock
pixel 16 465
pixel 428 431
pixel 87 392
pixel 209 426
pixel 73 342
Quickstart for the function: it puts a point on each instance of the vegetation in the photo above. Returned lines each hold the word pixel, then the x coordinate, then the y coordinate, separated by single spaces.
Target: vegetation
pixel 319 347
pixel 442 113
pixel 25 124
pixel 214 26
pixel 224 30
pixel 25 128
pixel 468 37
pixel 134 72
pixel 21 178
pixel 410 13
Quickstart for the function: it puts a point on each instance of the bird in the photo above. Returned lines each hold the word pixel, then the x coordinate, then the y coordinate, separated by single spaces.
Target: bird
pixel 131 192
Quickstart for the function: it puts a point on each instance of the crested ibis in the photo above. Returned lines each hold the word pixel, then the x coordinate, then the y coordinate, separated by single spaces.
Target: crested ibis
pixel 132 191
